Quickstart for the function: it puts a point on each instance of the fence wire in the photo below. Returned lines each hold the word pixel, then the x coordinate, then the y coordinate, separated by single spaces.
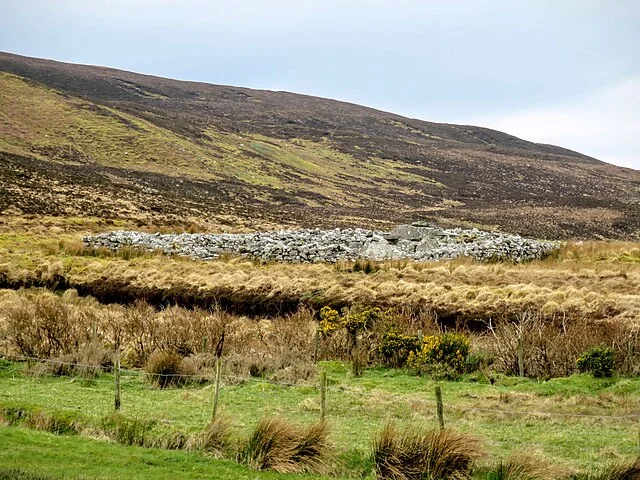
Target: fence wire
pixel 232 380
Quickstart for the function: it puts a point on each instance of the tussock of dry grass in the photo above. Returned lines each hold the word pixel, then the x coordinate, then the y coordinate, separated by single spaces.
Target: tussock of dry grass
pixel 522 465
pixel 215 440
pixel 623 471
pixel 418 454
pixel 275 444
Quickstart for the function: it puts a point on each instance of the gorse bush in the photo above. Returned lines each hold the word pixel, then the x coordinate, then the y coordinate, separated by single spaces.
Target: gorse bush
pixel 395 347
pixel 354 321
pixel 598 360
pixel 330 321
pixel 353 334
pixel 417 454
pixel 275 444
pixel 360 320
pixel 441 356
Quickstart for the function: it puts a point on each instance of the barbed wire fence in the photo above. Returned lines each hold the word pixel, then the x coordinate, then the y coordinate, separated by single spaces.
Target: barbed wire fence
pixel 321 389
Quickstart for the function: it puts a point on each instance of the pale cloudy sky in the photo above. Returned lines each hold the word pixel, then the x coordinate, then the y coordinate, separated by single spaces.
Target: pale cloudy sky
pixel 565 72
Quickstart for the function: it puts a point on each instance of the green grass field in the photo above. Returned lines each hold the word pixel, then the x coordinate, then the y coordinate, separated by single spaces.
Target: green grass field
pixel 49 455
pixel 577 422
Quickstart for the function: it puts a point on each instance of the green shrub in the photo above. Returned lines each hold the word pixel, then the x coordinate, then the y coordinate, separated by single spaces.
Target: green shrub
pixel 357 321
pixel 598 360
pixel 395 347
pixel 353 321
pixel 441 356
pixel 419 454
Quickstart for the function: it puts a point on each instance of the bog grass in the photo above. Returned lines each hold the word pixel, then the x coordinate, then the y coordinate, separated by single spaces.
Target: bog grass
pixel 588 281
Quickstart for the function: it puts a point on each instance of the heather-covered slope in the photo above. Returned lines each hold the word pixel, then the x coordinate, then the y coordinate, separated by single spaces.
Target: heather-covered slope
pixel 82 140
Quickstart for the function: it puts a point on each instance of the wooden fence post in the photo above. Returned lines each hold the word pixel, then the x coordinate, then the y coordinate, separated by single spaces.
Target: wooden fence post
pixel 520 355
pixel 217 391
pixel 439 409
pixel 323 395
pixel 116 377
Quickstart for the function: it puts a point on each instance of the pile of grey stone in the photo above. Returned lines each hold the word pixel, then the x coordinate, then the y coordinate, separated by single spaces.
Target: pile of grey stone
pixel 419 241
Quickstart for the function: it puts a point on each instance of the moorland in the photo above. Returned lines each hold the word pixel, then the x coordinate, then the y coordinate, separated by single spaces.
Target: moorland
pixel 537 362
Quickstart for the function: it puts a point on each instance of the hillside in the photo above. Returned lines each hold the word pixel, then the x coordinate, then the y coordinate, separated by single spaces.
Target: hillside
pixel 91 141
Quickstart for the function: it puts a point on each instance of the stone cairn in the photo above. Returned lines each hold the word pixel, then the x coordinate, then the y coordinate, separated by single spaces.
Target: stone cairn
pixel 419 241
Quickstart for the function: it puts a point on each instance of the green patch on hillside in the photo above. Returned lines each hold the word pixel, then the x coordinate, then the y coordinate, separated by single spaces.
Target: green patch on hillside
pixel 43 123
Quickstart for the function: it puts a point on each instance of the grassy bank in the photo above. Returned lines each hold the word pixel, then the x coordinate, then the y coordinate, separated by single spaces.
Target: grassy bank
pixel 46 456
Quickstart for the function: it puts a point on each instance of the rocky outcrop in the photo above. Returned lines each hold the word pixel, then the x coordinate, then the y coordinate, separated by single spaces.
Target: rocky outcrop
pixel 419 242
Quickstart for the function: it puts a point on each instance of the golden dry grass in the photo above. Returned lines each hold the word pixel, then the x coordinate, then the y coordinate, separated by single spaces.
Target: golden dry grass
pixel 584 280
pixel 587 281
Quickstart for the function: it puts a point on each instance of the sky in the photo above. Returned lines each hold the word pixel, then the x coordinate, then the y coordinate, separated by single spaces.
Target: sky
pixel 565 72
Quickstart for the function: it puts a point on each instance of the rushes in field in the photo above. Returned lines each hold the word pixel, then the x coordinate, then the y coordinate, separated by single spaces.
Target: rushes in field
pixel 420 454
pixel 215 440
pixel 521 465
pixel 278 445
pixel 623 471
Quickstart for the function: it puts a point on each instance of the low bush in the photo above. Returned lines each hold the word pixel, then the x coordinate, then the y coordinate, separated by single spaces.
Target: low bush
pixel 275 444
pixel 164 369
pixel 418 454
pixel 441 356
pixel 597 360
pixel 551 347
pixel 395 347
pixel 88 362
